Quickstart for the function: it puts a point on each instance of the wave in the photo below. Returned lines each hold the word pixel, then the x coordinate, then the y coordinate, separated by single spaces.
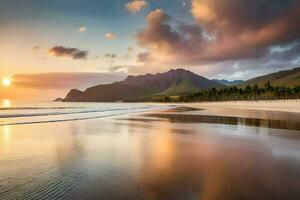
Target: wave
pixel 87 113
pixel 37 108
pixel 60 113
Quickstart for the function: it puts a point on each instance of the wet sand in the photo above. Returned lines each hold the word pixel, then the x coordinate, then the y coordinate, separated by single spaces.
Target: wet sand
pixel 183 154
pixel 275 105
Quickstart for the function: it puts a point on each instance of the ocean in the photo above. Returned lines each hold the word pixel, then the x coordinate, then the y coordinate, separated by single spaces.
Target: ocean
pixel 16 113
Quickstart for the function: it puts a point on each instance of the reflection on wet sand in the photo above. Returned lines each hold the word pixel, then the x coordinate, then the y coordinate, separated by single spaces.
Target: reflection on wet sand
pixel 161 156
pixel 212 119
pixel 218 172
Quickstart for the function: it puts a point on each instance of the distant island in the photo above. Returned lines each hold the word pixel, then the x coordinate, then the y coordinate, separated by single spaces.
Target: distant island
pixel 228 83
pixel 184 86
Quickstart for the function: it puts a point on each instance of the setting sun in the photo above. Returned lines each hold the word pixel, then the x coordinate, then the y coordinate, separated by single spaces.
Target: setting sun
pixel 6 82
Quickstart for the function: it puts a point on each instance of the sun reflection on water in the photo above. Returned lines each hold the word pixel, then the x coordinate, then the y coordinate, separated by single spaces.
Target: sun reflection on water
pixel 5 137
pixel 6 103
pixel 6 133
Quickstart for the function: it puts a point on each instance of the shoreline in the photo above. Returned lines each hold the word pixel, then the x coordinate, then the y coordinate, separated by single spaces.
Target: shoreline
pixel 277 105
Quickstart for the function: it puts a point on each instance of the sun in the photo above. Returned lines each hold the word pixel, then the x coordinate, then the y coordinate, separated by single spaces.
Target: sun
pixel 6 82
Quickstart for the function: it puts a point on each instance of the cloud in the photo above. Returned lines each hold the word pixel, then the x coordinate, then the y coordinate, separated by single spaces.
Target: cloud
pixel 121 68
pixel 82 29
pixel 130 49
pixel 64 80
pixel 110 36
pixel 166 44
pixel 249 24
pixel 74 53
pixel 286 53
pixel 136 5
pixel 224 30
pixel 36 48
pixel 112 56
pixel 49 86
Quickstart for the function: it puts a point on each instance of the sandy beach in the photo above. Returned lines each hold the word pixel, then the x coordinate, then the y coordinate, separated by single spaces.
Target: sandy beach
pixel 277 110
pixel 280 105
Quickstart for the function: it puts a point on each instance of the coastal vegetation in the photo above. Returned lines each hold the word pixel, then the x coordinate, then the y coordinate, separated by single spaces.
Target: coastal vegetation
pixel 234 93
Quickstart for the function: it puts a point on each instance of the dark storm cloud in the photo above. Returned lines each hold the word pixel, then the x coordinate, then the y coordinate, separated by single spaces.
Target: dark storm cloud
pixel 279 59
pixel 225 30
pixel 245 14
pixel 286 53
pixel 254 23
pixel 74 53
pixel 172 43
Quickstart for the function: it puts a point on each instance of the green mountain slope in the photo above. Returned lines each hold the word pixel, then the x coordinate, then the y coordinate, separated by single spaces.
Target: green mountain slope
pixel 289 81
pixel 163 81
pixel 185 87
pixel 281 78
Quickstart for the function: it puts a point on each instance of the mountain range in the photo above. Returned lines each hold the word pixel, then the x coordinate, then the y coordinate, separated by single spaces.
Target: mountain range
pixel 172 83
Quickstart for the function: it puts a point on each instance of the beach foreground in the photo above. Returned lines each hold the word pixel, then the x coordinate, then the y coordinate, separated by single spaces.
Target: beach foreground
pixel 278 105
pixel 180 154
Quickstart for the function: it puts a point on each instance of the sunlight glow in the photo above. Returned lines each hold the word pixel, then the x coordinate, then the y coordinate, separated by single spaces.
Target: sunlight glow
pixel 6 133
pixel 6 103
pixel 6 82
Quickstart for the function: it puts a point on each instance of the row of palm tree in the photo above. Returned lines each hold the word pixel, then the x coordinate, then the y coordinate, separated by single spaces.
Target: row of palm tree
pixel 252 93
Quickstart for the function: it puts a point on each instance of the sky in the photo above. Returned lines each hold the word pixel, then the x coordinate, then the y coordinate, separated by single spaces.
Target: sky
pixel 56 45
